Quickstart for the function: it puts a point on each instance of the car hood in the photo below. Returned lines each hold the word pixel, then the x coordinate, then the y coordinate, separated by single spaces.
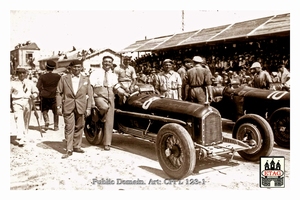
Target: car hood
pixel 247 91
pixel 156 104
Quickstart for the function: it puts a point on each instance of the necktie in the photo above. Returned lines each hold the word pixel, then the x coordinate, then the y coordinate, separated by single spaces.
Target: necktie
pixel 24 87
pixel 105 82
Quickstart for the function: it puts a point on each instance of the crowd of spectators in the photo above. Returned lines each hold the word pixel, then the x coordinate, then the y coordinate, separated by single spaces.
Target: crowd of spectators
pixel 224 61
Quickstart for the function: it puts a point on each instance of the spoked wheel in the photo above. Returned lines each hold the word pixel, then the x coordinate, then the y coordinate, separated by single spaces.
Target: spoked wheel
pixel 257 133
pixel 175 151
pixel 93 130
pixel 280 123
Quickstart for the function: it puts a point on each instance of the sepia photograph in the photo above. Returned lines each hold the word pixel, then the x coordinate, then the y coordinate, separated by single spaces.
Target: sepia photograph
pixel 129 99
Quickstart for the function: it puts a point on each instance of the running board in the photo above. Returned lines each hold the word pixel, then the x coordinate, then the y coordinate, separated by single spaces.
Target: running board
pixel 138 133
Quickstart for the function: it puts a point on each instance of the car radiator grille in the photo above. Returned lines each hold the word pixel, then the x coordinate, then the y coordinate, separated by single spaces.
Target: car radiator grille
pixel 211 129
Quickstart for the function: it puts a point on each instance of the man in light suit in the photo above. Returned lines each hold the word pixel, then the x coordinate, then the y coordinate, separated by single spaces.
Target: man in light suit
pixel 22 90
pixel 105 83
pixel 74 103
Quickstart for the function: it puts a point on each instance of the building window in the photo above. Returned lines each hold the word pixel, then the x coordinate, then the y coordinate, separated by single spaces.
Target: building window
pixel 30 59
pixel 29 56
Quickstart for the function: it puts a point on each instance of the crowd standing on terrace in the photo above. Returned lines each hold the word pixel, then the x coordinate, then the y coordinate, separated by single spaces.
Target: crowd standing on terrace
pixel 227 64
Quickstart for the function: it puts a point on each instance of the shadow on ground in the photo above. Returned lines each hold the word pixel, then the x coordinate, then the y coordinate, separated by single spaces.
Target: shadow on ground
pixel 55 145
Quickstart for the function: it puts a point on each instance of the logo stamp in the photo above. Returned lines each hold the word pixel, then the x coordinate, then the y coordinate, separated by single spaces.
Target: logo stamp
pixel 272 170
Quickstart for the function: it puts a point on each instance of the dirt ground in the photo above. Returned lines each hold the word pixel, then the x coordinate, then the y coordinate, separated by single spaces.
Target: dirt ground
pixel 38 166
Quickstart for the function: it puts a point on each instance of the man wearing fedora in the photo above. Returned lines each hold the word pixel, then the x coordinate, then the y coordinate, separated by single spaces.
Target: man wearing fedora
pixel 22 92
pixel 199 79
pixel 47 84
pixel 74 100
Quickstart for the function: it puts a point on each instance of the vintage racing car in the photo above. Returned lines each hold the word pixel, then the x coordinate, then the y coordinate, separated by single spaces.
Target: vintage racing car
pixel 274 106
pixel 183 131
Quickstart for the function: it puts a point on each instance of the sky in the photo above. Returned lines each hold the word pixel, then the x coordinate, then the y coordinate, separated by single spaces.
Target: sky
pixel 115 29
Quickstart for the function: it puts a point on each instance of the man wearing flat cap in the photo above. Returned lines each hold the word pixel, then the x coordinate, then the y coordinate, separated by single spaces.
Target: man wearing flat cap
pixel 105 85
pixel 199 81
pixel 22 92
pixel 47 84
pixel 262 78
pixel 126 77
pixel 169 82
pixel 74 101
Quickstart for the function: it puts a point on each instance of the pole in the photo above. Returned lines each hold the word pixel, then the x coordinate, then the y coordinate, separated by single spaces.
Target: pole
pixel 182 20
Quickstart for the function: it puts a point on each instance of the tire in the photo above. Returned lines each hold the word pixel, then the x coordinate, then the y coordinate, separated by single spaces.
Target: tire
pixel 175 151
pixel 280 123
pixel 93 131
pixel 255 130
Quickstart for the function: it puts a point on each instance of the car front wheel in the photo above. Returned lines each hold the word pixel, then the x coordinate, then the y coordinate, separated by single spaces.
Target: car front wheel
pixel 280 123
pixel 257 133
pixel 175 151
pixel 93 130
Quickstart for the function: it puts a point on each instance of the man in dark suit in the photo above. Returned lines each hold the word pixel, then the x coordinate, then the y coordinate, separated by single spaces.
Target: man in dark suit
pixel 47 84
pixel 74 99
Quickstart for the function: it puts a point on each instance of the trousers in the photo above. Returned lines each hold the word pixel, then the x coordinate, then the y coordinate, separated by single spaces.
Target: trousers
pixel 197 95
pixel 74 124
pixel 104 101
pixel 22 114
pixel 46 105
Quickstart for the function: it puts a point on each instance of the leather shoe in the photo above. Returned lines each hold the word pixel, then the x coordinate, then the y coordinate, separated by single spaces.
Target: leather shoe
pixel 78 150
pixel 56 129
pixel 46 126
pixel 69 153
pixel 106 148
pixel 21 143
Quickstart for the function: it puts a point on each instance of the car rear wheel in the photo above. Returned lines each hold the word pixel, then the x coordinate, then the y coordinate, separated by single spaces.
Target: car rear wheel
pixel 93 131
pixel 175 151
pixel 256 132
pixel 280 123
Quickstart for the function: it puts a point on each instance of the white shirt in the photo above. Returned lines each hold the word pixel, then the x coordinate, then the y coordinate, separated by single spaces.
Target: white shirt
pixel 97 78
pixel 75 83
pixel 17 91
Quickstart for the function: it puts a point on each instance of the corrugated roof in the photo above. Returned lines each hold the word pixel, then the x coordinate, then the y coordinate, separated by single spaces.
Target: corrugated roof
pixel 261 26
pixel 204 35
pixel 151 44
pixel 240 29
pixel 177 39
pixel 135 46
pixel 277 24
